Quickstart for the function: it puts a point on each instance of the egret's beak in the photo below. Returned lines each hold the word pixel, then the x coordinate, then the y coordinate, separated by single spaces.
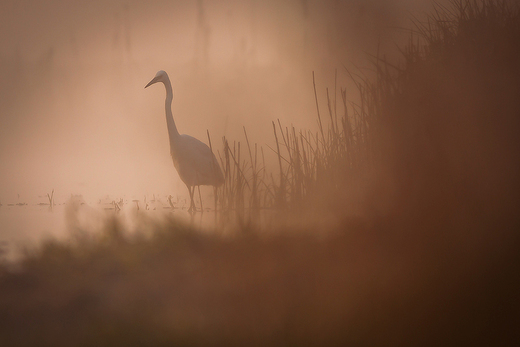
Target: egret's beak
pixel 155 80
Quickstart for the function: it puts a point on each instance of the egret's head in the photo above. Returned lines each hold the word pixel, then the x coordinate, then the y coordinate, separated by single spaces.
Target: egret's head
pixel 161 76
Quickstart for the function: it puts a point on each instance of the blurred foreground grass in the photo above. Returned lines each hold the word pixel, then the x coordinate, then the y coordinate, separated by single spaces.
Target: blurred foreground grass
pixel 427 255
pixel 374 285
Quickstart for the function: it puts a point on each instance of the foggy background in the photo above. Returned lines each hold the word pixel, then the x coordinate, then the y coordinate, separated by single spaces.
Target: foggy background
pixel 73 112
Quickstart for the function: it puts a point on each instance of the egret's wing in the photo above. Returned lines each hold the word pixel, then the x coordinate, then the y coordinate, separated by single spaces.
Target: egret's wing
pixel 197 165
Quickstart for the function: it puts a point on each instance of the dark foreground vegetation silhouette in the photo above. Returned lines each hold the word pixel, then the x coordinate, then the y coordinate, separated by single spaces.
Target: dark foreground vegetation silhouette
pixel 426 255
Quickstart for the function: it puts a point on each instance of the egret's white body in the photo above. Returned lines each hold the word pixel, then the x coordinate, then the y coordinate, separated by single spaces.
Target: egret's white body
pixel 193 159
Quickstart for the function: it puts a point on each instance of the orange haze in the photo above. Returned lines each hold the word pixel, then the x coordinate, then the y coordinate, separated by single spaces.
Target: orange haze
pixel 73 112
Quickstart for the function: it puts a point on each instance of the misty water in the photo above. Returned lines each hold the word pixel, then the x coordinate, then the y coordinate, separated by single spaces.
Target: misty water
pixel 25 227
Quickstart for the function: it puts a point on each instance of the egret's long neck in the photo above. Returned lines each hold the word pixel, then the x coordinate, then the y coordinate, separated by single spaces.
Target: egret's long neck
pixel 172 128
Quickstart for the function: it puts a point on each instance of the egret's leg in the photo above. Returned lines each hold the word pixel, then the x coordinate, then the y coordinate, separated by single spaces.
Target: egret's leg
pixel 194 207
pixel 191 191
pixel 215 193
pixel 200 198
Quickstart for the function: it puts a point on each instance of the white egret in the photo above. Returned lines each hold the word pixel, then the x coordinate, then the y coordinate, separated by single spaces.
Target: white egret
pixel 193 159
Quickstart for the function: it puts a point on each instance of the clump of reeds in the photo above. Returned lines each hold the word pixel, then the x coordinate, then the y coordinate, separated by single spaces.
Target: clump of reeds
pixel 314 164
pixel 310 164
pixel 246 190
pixel 415 129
